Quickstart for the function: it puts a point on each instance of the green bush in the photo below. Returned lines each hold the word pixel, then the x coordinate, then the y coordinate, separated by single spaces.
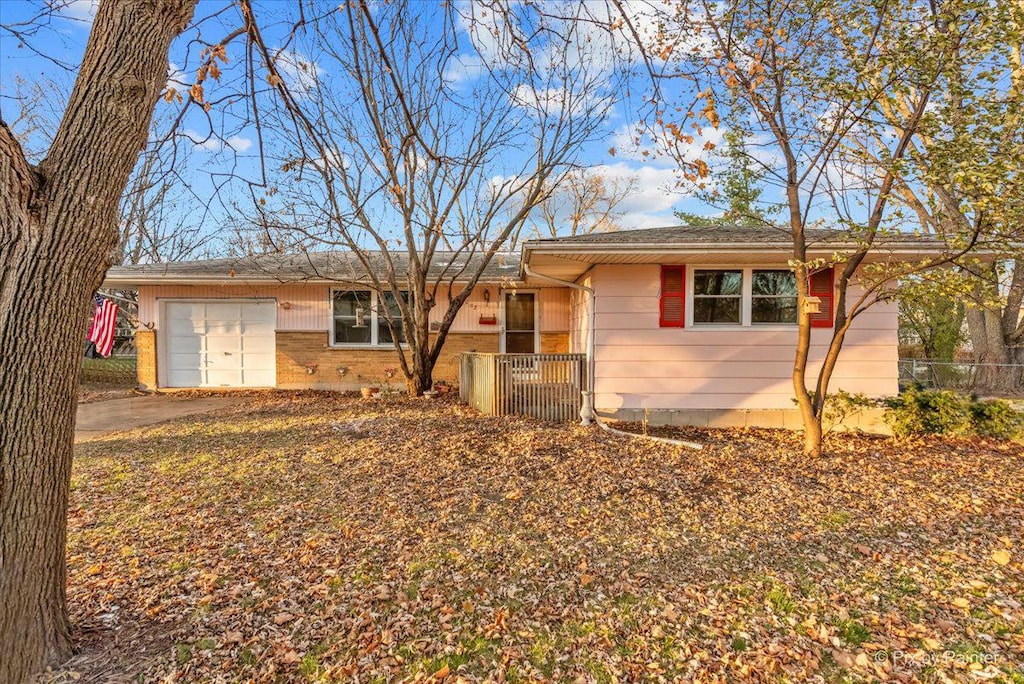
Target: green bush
pixel 928 412
pixel 843 406
pixel 996 418
pixel 918 411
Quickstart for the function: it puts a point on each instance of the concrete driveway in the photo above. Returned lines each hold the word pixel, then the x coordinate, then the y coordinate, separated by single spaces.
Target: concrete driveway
pixel 99 418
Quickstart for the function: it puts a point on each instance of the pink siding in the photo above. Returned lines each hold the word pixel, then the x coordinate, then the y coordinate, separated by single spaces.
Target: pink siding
pixel 642 365
pixel 475 308
pixel 309 309
pixel 579 318
pixel 554 309
pixel 310 305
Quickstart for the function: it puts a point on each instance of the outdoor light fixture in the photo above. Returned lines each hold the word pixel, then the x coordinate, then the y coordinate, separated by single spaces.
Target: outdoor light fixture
pixel 286 305
pixel 812 305
pixel 487 296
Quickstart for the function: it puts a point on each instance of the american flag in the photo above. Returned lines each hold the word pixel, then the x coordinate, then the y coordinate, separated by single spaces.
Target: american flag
pixel 104 319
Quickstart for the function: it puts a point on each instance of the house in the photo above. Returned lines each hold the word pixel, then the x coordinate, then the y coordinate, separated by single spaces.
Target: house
pixel 682 325
pixel 309 321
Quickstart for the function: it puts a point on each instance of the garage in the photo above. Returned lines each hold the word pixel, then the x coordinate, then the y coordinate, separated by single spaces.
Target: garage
pixel 219 343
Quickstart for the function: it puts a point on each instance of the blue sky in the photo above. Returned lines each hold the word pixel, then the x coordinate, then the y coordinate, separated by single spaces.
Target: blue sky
pixel 61 42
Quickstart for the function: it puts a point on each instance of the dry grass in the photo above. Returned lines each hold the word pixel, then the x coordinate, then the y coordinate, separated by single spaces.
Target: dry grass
pixel 308 538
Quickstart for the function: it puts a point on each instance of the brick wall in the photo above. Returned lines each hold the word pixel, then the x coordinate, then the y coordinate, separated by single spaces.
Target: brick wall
pixel 364 366
pixel 145 348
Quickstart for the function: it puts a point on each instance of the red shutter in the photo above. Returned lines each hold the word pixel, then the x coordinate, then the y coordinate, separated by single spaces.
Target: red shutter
pixel 823 287
pixel 673 296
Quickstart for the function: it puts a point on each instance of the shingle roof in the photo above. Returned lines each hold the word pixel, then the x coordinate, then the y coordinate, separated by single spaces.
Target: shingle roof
pixel 682 235
pixel 333 266
pixel 346 267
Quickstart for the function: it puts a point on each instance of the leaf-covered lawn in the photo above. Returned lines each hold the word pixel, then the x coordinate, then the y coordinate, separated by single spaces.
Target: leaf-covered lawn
pixel 308 538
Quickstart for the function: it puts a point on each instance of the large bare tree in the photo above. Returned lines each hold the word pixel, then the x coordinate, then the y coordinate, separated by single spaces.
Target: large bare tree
pixel 58 230
pixel 156 223
pixel 423 137
pixel 586 201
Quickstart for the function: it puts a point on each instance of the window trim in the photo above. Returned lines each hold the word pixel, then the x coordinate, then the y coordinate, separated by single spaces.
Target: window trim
pixel 371 321
pixel 746 298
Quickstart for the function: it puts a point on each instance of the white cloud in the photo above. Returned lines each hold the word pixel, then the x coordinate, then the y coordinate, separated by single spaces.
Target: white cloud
pixel 212 143
pixel 299 72
pixel 176 77
pixel 590 36
pixel 331 158
pixel 655 193
pixel 637 142
pixel 238 143
pixel 464 69
pixel 79 10
pixel 553 102
pixel 650 193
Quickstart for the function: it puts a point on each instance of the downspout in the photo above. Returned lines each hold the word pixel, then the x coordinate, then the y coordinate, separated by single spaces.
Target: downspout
pixel 587 412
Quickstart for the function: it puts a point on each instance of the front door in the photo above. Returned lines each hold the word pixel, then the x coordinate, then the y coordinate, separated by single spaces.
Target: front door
pixel 520 322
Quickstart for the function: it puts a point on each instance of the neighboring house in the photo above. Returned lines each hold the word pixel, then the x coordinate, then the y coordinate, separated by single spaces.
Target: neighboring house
pixel 686 325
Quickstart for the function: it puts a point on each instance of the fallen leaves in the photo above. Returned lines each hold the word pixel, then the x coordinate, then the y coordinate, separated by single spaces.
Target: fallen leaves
pixel 1001 557
pixel 429 543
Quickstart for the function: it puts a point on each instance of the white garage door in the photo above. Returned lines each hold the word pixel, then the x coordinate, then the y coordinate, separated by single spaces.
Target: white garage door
pixel 220 343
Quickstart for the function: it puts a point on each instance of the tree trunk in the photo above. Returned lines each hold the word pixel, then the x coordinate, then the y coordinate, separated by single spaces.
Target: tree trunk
pixel 813 435
pixel 809 414
pixel 422 378
pixel 991 353
pixel 58 228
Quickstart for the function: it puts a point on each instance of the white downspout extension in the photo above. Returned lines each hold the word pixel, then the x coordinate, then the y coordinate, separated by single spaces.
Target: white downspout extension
pixel 587 412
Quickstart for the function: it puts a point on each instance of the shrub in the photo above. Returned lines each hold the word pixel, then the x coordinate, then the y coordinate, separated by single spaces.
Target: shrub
pixel 918 411
pixel 928 412
pixel 843 406
pixel 995 418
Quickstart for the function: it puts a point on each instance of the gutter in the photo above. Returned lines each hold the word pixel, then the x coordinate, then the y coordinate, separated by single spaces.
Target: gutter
pixel 587 413
pixel 905 248
pixel 119 280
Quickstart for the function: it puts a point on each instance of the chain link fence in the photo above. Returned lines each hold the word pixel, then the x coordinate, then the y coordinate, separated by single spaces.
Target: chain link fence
pixel 955 375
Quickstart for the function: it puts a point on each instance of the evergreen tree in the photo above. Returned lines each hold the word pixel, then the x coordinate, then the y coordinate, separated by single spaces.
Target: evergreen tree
pixel 739 190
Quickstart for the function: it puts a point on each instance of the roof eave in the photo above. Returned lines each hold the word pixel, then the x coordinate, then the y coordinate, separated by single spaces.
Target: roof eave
pixel 626 247
pixel 133 280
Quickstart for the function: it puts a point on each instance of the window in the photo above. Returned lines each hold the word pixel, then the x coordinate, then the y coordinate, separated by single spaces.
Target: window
pixel 359 321
pixel 717 296
pixel 746 296
pixel 395 313
pixel 352 318
pixel 773 297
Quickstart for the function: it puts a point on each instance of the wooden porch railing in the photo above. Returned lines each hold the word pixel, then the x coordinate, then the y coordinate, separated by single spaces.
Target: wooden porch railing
pixel 544 386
